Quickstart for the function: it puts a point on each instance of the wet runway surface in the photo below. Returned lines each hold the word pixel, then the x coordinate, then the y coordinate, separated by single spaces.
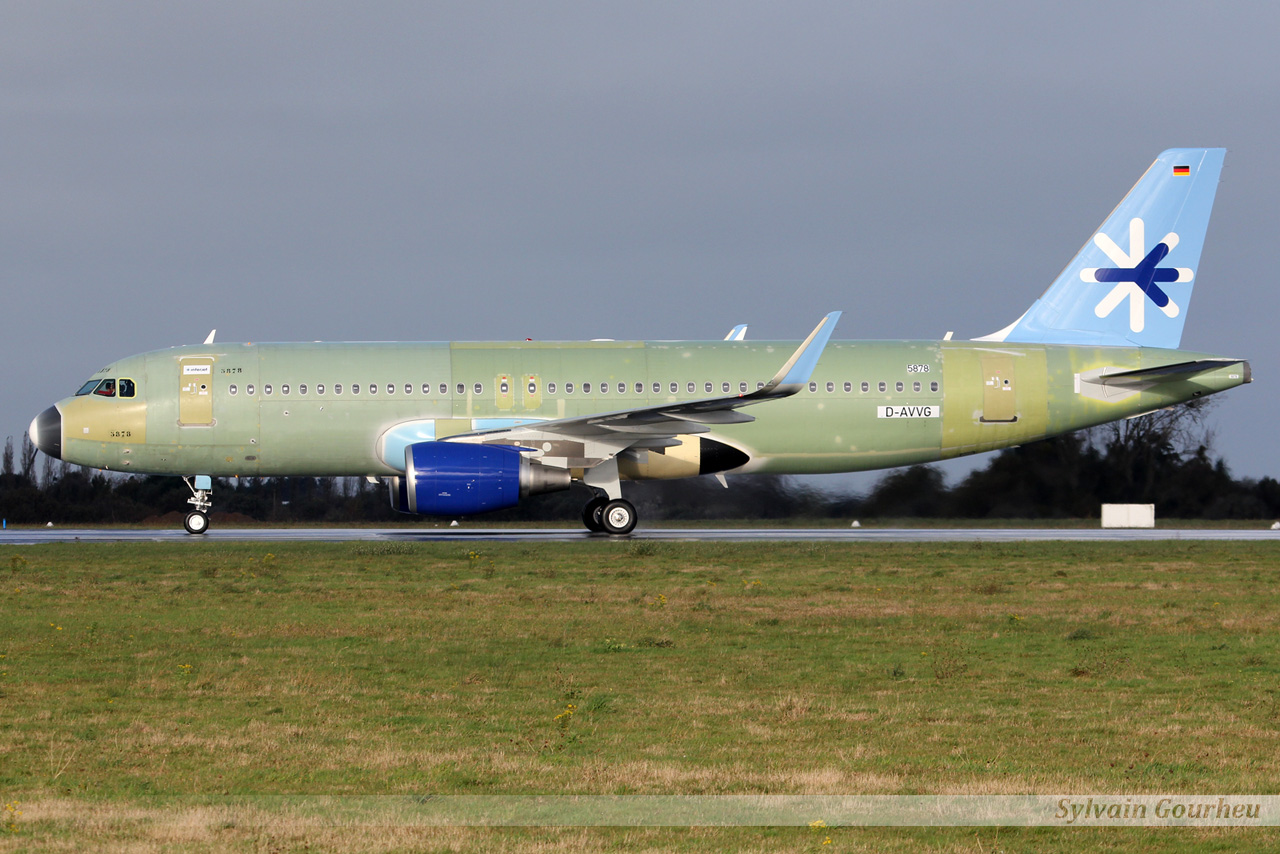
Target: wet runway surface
pixel 564 535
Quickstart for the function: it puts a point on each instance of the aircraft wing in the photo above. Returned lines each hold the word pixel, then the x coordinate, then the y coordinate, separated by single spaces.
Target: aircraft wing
pixel 606 434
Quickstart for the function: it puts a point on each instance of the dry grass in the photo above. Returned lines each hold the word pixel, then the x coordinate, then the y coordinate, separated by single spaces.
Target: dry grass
pixel 138 676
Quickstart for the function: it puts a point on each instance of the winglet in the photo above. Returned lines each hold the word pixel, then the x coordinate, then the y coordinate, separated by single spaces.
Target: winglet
pixel 212 333
pixel 797 370
pixel 737 333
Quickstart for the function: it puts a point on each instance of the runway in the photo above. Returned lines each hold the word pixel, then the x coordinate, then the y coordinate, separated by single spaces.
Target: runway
pixel 37 536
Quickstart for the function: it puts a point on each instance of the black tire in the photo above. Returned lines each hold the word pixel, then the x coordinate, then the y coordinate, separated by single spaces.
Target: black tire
pixel 196 522
pixel 619 517
pixel 591 515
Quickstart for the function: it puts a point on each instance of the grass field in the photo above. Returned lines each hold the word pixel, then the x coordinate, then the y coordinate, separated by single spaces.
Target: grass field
pixel 135 676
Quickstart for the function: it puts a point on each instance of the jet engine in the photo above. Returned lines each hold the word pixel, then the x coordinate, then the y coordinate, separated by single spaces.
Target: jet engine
pixel 456 479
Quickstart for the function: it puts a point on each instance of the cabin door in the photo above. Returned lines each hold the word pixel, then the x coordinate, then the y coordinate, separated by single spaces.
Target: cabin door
pixel 999 392
pixel 195 392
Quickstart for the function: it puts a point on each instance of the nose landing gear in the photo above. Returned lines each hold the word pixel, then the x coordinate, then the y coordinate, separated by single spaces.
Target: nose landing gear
pixel 197 521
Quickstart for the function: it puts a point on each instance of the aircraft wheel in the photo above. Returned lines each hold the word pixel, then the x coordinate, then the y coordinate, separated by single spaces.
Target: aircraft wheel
pixel 196 522
pixel 619 517
pixel 591 515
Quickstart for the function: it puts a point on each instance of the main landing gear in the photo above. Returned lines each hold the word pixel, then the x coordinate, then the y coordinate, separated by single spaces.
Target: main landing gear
pixel 197 521
pixel 603 515
pixel 608 512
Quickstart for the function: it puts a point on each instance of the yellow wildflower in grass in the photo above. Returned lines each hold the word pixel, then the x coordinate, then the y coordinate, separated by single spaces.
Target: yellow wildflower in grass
pixel 563 719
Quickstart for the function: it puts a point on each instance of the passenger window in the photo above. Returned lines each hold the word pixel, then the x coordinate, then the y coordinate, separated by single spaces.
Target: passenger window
pixel 657 388
pixel 759 385
pixel 391 388
pixel 883 386
pixel 742 388
pixel 462 388
pixel 568 388
pixel 106 388
pixel 355 388
pixel 706 387
pixel 337 388
pixel 232 388
pixel 373 388
pixel 248 390
pixel 319 388
pixel 302 388
pixel 933 386
pixel 533 387
pixel 813 386
pixel 504 387
pixel 479 388
pixel 831 387
pixel 127 388
pixel 898 385
pixel 691 388
pixel 408 388
pixel 604 388
pixel 675 388
pixel 586 388
pixel 266 389
pixel 915 386
pixel 426 389
pixel 640 388
pixel 284 389
pixel 724 388
pixel 866 387
pixel 551 388
pixel 848 387
pixel 444 388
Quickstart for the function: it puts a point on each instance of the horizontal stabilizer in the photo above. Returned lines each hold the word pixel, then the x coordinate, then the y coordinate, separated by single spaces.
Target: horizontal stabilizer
pixel 1117 384
pixel 1168 373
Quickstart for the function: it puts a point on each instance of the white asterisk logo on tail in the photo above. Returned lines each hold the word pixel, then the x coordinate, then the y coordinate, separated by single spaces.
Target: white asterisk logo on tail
pixel 1136 275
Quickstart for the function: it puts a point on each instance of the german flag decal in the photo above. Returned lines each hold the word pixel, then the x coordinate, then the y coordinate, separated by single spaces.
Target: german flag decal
pixel 1182 170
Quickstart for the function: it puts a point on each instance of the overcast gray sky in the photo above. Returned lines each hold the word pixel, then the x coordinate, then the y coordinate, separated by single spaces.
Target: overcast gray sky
pixel 353 171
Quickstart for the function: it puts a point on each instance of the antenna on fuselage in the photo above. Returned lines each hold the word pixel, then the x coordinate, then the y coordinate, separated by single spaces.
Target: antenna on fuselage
pixel 212 332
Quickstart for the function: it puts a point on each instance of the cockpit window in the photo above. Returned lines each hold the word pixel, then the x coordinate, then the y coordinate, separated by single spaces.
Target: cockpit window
pixel 108 388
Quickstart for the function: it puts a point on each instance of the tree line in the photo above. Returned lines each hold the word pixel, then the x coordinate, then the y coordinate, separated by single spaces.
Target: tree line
pixel 1164 459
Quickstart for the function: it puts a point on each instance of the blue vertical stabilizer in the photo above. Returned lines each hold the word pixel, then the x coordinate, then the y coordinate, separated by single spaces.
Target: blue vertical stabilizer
pixel 1131 283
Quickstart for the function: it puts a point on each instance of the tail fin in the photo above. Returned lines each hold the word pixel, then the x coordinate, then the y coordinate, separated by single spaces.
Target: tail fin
pixel 1119 292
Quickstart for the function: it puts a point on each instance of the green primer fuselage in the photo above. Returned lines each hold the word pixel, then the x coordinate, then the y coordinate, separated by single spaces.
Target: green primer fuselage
pixel 939 399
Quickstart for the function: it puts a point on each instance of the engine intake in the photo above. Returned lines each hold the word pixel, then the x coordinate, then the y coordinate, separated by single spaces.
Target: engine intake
pixel 455 479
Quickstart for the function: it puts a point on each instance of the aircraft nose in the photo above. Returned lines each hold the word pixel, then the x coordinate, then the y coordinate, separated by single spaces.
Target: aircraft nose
pixel 46 432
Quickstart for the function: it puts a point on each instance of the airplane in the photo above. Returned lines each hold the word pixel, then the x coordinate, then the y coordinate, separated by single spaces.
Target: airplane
pixel 454 429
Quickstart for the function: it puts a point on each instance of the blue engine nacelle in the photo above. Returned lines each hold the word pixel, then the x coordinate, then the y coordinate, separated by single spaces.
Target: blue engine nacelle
pixel 456 479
